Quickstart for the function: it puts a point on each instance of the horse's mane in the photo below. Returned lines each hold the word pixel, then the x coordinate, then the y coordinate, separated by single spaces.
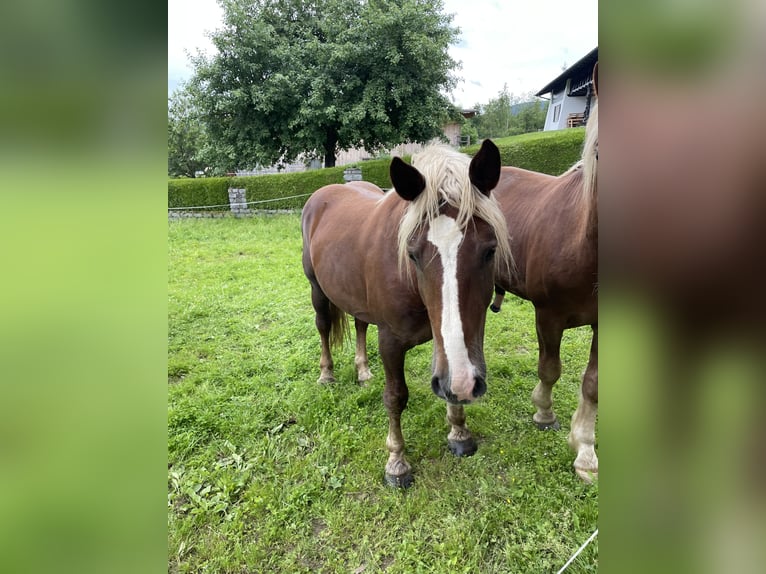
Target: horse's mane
pixel 446 173
pixel 585 172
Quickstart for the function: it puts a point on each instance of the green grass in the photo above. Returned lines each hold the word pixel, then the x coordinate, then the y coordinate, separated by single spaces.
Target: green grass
pixel 270 472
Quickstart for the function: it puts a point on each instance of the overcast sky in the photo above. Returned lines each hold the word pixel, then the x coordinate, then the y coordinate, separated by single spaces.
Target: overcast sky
pixel 524 43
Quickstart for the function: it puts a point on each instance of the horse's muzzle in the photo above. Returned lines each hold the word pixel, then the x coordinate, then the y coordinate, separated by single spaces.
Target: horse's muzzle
pixel 437 386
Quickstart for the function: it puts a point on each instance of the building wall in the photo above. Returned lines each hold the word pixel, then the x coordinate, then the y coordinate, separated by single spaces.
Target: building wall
pixel 451 132
pixel 567 106
pixel 359 154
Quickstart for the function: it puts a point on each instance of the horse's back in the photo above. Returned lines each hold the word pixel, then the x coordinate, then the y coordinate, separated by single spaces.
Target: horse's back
pixel 365 186
pixel 339 203
pixel 346 195
pixel 510 173
pixel 518 186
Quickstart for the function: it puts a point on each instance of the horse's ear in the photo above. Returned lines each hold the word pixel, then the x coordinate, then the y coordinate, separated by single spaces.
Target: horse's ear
pixel 595 79
pixel 408 181
pixel 485 167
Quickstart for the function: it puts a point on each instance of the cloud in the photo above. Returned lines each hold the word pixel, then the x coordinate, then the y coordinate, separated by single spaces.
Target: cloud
pixel 523 44
pixel 188 25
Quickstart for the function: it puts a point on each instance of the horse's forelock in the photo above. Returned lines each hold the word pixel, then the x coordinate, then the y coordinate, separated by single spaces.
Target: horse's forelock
pixel 446 173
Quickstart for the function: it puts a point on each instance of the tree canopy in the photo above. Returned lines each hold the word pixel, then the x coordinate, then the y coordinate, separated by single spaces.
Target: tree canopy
pixel 508 115
pixel 187 139
pixel 315 77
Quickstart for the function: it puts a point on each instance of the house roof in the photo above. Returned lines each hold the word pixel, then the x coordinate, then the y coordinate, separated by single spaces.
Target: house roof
pixel 582 67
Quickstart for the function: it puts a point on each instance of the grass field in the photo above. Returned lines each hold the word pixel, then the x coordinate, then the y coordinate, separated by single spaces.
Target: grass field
pixel 270 472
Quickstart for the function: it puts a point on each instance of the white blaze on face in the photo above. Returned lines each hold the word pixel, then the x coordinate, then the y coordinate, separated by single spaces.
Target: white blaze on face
pixel 446 236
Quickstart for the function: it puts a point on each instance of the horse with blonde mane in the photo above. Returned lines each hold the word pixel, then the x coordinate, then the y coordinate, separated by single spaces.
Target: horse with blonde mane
pixel 554 238
pixel 419 262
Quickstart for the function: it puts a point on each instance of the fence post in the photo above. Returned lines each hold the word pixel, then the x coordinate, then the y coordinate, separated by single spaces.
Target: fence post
pixel 238 201
pixel 352 174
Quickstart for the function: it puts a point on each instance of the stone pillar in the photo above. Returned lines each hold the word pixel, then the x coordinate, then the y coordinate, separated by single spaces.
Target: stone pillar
pixel 352 174
pixel 238 201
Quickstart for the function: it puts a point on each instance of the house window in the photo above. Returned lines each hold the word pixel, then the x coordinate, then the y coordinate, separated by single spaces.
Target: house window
pixel 556 113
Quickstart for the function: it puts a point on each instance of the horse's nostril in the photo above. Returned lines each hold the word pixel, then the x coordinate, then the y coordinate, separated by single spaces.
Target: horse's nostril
pixel 479 388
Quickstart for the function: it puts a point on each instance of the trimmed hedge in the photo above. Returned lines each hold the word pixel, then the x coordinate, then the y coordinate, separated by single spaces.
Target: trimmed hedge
pixel 189 192
pixel 547 152
pixel 275 186
pixel 551 152
pixel 376 171
pixel 214 190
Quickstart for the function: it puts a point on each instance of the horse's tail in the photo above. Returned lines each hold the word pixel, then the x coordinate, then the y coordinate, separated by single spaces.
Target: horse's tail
pixel 339 328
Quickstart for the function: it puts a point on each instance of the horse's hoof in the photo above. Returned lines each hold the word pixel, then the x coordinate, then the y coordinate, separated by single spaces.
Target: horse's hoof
pixel 398 481
pixel 363 377
pixel 465 447
pixel 325 379
pixel 587 476
pixel 548 426
pixel 494 308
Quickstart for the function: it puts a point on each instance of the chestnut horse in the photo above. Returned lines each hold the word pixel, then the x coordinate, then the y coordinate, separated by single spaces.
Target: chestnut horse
pixel 418 262
pixel 554 239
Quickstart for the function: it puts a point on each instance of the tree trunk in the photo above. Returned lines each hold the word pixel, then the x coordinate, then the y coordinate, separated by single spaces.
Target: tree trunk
pixel 329 147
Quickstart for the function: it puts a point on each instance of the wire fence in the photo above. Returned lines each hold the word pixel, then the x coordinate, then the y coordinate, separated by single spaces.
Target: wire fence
pixel 191 208
pixel 579 550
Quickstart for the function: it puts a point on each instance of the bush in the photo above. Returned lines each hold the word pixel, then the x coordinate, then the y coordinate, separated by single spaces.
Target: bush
pixel 287 185
pixel 200 191
pixel 376 171
pixel 214 190
pixel 551 152
pixel 547 152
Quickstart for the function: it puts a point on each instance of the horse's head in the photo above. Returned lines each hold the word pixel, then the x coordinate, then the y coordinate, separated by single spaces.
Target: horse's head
pixel 452 234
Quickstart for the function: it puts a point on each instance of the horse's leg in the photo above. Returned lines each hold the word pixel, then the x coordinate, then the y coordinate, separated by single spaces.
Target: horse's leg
pixel 360 358
pixel 460 440
pixel 323 323
pixel 582 436
pixel 395 395
pixel 549 332
pixel 498 300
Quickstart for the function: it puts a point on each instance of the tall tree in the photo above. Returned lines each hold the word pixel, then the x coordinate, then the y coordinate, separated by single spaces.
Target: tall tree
pixel 495 118
pixel 531 115
pixel 186 135
pixel 315 77
pixel 508 115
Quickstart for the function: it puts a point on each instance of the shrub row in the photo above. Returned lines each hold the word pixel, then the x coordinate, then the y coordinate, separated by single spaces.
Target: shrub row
pixel 546 152
pixel 551 152
pixel 214 190
pixel 274 186
pixel 200 191
pixel 269 187
pixel 376 171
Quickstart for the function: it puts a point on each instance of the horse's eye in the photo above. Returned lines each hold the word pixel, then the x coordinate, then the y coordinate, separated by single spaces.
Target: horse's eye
pixel 489 254
pixel 411 255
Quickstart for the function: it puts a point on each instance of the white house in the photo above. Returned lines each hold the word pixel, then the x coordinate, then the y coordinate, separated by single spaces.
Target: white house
pixel 571 94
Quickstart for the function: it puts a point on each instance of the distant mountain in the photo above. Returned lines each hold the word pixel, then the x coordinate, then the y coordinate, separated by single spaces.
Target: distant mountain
pixel 516 108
